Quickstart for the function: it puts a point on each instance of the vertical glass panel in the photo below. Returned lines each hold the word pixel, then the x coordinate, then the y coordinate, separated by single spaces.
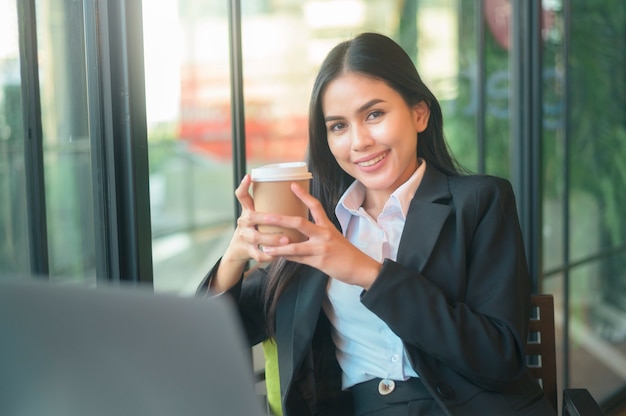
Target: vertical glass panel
pixel 449 57
pixel 598 225
pixel 497 17
pixel 553 140
pixel 446 54
pixel 554 180
pixel 462 109
pixel 67 164
pixel 13 219
pixel 593 191
pixel 493 21
pixel 186 52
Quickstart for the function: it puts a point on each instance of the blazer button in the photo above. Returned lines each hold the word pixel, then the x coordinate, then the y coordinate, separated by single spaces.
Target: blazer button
pixel 445 391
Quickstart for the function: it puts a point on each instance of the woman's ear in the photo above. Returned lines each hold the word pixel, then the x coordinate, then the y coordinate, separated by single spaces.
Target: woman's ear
pixel 421 114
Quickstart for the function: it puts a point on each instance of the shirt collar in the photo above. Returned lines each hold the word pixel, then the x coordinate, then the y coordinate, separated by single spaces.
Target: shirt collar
pixel 352 199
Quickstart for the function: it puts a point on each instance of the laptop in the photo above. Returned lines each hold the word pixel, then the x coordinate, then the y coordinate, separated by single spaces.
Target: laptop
pixel 69 350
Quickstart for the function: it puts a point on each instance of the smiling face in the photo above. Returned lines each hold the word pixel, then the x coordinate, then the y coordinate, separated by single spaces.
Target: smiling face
pixel 372 132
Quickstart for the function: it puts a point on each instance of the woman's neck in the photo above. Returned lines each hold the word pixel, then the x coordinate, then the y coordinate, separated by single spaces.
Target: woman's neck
pixel 375 202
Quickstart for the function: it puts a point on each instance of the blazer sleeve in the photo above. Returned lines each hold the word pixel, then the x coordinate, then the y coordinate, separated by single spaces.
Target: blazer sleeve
pixel 248 294
pixel 479 329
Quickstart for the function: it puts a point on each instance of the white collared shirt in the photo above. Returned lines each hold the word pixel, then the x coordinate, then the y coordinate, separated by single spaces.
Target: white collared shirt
pixel 366 347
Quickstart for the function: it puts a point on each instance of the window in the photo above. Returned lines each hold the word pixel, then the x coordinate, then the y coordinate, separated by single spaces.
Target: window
pixel 14 252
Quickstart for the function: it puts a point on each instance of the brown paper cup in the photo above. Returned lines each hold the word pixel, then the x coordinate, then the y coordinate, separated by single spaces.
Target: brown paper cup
pixel 272 194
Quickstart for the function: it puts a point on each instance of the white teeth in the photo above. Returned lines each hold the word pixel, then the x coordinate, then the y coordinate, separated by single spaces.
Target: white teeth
pixel 372 161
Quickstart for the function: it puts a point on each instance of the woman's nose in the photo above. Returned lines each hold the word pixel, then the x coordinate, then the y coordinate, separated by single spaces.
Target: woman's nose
pixel 360 138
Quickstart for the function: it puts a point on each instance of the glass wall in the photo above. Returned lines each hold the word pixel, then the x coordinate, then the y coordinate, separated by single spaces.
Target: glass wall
pixel 584 181
pixel 13 220
pixel 188 88
pixel 66 147
pixel 65 197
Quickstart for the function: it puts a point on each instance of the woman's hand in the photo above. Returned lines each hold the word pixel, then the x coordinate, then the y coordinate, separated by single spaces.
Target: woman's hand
pixel 326 249
pixel 245 242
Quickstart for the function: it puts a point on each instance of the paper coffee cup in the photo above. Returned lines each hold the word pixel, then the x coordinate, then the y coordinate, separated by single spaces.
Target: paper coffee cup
pixel 272 194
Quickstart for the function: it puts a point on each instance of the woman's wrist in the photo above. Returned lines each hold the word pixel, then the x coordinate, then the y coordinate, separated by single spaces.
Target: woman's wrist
pixel 367 272
pixel 228 273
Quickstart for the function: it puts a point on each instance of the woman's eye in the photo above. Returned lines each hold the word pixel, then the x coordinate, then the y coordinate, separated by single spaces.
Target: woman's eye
pixel 336 126
pixel 374 114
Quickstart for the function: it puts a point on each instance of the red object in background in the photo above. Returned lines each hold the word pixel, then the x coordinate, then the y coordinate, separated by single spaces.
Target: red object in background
pixel 263 141
pixel 206 123
pixel 498 15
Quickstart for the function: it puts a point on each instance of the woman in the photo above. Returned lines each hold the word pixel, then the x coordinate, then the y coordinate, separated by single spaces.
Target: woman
pixel 411 294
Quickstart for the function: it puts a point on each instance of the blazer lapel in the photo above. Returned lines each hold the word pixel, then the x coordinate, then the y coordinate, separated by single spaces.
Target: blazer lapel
pixel 427 214
pixel 296 318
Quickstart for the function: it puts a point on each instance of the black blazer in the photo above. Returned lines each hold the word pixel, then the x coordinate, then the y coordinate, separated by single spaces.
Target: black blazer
pixel 457 295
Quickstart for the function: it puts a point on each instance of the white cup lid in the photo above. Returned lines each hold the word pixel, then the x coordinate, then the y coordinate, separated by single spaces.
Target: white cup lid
pixel 290 171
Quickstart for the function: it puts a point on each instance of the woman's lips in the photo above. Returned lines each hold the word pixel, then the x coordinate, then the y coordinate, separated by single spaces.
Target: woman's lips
pixel 373 161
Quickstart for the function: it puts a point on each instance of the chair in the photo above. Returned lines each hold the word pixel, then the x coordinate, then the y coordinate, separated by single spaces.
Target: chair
pixel 541 360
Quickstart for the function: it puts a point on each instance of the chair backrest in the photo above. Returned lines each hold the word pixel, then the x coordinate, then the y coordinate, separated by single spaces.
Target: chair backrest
pixel 540 346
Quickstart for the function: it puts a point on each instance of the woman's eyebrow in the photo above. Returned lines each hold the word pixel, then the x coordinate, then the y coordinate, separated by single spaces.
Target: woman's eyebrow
pixel 369 104
pixel 362 108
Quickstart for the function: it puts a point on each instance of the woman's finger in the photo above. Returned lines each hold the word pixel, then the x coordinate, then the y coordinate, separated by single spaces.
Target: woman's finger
pixel 243 194
pixel 317 212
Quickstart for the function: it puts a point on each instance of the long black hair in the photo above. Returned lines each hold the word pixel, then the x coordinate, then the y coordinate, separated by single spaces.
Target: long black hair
pixel 379 57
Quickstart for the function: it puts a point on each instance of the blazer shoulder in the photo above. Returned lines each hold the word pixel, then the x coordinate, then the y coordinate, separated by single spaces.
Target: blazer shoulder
pixel 479 184
pixel 477 193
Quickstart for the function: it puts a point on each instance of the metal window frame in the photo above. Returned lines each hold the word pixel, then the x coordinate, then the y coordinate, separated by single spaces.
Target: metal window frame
pixel 526 128
pixel 119 140
pixel 567 26
pixel 481 93
pixel 33 146
pixel 237 99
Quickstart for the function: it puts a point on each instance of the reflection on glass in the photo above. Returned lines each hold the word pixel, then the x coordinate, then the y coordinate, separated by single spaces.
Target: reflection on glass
pixel 67 164
pixel 13 220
